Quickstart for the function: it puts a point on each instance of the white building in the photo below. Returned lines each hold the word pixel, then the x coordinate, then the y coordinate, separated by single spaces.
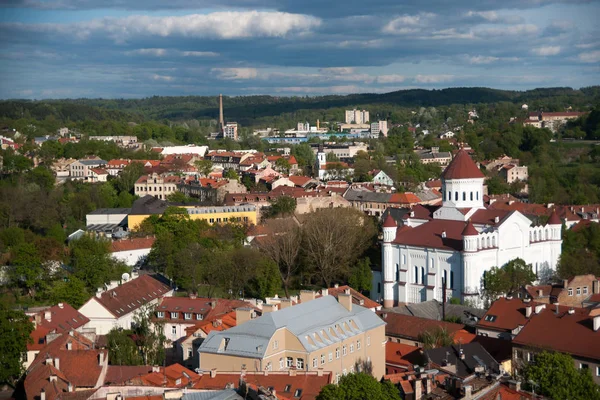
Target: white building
pixel 379 127
pixel 357 116
pixel 187 149
pixel 230 130
pixel 330 170
pixel 131 251
pixel 116 305
pixel 458 243
pixel 81 169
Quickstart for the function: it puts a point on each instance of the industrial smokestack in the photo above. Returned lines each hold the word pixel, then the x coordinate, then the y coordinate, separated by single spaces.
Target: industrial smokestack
pixel 221 120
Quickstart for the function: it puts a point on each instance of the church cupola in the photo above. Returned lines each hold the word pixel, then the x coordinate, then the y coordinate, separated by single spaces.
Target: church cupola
pixel 462 183
pixel 389 229
pixel 555 225
pixel 469 235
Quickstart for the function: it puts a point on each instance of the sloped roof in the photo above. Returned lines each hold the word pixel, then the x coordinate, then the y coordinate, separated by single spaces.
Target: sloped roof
pixel 304 320
pixel 132 244
pixel 389 222
pixel 509 314
pixel 357 297
pixel 402 354
pixel 430 235
pixel 63 317
pixel 470 230
pixel 462 167
pixel 132 294
pixel 148 205
pixel 408 326
pixel 474 356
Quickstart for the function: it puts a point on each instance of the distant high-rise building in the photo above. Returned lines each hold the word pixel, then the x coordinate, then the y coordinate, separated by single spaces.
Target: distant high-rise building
pixel 379 127
pixel 303 127
pixel 357 116
pixel 231 131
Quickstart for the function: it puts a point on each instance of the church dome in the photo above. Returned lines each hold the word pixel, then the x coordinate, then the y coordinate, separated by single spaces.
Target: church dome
pixel 462 167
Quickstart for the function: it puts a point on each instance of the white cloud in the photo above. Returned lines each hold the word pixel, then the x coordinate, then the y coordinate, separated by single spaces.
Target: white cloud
pixel 451 33
pixel 482 59
pixel 232 74
pixel 199 54
pixel 407 24
pixel 588 45
pixel 433 78
pixel 495 17
pixel 163 78
pixel 510 30
pixel 590 57
pixel 220 25
pixel 148 52
pixel 337 70
pixel 546 51
pixel 393 78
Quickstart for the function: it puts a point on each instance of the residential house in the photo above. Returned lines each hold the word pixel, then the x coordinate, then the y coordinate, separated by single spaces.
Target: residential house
pixel 463 361
pixel 80 169
pixel 574 331
pixel 159 186
pixel 400 357
pixel 434 155
pixel 121 141
pixel 343 151
pixel 435 310
pixel 292 384
pixel 116 305
pixel 357 298
pixel 408 329
pixel 173 376
pixel 381 177
pixel 51 321
pixel 514 173
pixel 132 251
pixel 62 167
pixel 551 120
pixel 114 167
pixel 318 334
pixel 97 175
pixel 505 317
pixel 573 292
pixel 227 159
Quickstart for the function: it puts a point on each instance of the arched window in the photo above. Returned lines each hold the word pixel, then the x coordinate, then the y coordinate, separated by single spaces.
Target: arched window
pixel 477 193
pixel 455 196
pixel 488 242
pixel 471 196
pixel 464 196
pixel 416 274
pixel 451 279
pixel 422 275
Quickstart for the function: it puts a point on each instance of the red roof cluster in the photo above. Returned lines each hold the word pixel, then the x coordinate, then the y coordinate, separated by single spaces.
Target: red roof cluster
pixel 410 327
pixel 58 319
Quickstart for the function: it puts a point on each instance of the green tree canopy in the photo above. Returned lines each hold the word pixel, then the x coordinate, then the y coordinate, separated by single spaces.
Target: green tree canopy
pixel 15 329
pixel 282 206
pixel 361 276
pixel 510 277
pixel 359 386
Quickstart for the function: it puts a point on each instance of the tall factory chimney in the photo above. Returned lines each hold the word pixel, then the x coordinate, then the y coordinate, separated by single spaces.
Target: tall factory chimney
pixel 221 121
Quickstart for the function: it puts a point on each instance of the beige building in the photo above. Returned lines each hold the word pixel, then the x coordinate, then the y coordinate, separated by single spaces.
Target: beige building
pixel 156 185
pixel 357 116
pixel 317 334
pixel 514 173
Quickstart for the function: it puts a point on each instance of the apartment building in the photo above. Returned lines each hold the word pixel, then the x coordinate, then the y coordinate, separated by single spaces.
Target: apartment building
pixel 551 120
pixel 324 333
pixel 379 127
pixel 514 173
pixel 573 292
pixel 342 150
pixel 159 186
pixel 357 116
pixel 81 169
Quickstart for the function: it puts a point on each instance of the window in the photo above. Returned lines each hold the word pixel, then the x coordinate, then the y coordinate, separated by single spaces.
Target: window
pixel 455 196
pixel 471 196
pixel 199 317
pixel 344 351
pixel 330 356
pixel 275 344
pixel 337 378
pixel 289 362
pixel 174 330
pixel 403 258
pixel 585 290
pixel 269 366
pixel 190 352
pixel 422 275
pixel 174 315
pixel 351 347
pixel 464 196
pixel 445 283
pixel 187 315
pixel 322 359
pixel 416 277
pixel 358 345
pixel 160 314
pixel 597 371
pixel 570 291
pixel 583 366
pixel 451 280
pixel 578 291
pixel 368 340
pixel 337 353
pixel 281 363
pixel 287 388
pixel 299 363
pixel 315 363
pixel 298 393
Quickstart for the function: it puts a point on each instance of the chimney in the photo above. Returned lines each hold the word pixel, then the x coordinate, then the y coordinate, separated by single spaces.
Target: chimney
pixel 57 363
pixel 101 358
pixel 565 283
pixel 539 308
pixel 61 305
pixel 528 311
pixel 242 315
pixel 418 389
pixel 461 354
pixel 285 303
pixel 496 219
pixel 69 387
pixel 48 315
pixel 99 292
pixel 48 360
pixel 69 346
pixel 596 323
pixel 336 285
pixel 514 385
pixel 345 300
pixel 155 368
pixel 37 320
pixel 428 382
pixel 192 296
pixel 213 372
pixel 42 394
pixel 213 304
pixel 468 392
pixel 292 372
pixel 443 234
pixel 267 308
pixel 347 290
pixel 325 292
pixel 556 310
pixel 306 295
pixel 596 287
pixel 540 293
pixel 320 372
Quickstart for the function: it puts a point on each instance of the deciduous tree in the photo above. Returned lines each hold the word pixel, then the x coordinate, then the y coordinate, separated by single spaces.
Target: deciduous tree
pixel 15 329
pixel 359 386
pixel 510 277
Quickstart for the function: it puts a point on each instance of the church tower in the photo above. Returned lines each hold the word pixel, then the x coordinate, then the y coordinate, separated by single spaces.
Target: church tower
pixel 389 275
pixel 462 183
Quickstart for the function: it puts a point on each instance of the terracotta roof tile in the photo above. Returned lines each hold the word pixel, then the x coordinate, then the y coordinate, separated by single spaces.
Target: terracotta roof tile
pixel 462 167
pixel 357 297
pixel 61 318
pixel 430 235
pixel 402 354
pixel 132 244
pixel 410 327
pixel 508 313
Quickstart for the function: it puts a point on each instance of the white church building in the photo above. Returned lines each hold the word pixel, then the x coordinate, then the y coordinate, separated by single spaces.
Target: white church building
pixel 458 243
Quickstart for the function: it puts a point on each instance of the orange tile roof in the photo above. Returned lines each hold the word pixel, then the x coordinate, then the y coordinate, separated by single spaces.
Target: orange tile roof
pixel 402 354
pixel 173 376
pixel 357 297
pixel 132 244
pixel 62 318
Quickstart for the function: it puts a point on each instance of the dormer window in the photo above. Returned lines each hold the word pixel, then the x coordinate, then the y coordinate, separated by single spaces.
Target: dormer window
pixel 187 316
pixel 199 317
pixel 160 314
pixel 174 315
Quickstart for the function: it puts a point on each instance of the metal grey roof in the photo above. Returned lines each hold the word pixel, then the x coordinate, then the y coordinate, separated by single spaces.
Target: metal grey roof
pixel 475 356
pixel 102 227
pixel 148 205
pixel 432 309
pixel 310 322
pixel 364 195
pixel 227 394
pixel 92 162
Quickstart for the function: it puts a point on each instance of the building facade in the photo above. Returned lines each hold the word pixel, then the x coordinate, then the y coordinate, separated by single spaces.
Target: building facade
pixel 357 116
pixel 159 186
pixel 317 334
pixel 458 243
pixel 81 169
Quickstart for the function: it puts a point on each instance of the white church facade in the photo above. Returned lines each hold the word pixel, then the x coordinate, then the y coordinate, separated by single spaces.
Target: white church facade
pixel 458 243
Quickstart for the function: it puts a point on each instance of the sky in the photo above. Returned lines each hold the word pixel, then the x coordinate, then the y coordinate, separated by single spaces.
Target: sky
pixel 140 48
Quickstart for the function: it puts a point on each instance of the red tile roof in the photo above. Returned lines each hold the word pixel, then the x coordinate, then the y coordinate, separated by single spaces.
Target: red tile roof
pixel 566 332
pixel 470 230
pixel 119 374
pixel 554 219
pixel 357 297
pixel 173 376
pixel 310 383
pixel 410 327
pixel 389 222
pixel 430 235
pixel 131 295
pixel 132 244
pixel 404 198
pixel 61 318
pixel 509 314
pixel 462 167
pixel 99 171
pixel 300 180
pixel 402 355
pixel 200 305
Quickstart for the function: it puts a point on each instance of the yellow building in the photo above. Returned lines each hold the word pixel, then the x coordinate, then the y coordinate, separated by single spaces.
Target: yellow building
pixel 320 334
pixel 149 205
